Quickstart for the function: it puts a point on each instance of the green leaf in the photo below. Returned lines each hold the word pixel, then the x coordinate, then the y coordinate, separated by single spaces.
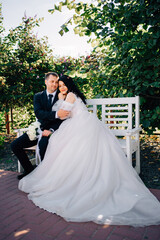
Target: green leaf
pixel 64 27
pixel 51 11
pixel 61 32
pixel 76 31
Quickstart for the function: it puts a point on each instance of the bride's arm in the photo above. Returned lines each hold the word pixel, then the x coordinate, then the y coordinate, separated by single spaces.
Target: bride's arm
pixel 69 102
pixel 64 106
pixel 70 97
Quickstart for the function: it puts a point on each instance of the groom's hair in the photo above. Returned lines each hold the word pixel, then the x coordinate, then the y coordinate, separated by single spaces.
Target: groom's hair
pixel 51 73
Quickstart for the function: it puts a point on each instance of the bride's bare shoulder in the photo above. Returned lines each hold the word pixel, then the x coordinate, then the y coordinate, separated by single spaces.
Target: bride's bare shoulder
pixel 70 97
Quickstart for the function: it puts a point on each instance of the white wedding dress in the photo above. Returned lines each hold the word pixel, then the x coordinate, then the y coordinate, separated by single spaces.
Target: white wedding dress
pixel 85 176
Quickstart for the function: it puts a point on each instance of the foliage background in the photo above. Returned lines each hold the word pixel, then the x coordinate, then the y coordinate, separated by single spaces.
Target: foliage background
pixel 125 60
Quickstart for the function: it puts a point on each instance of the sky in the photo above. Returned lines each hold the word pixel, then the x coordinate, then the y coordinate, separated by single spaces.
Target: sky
pixel 67 45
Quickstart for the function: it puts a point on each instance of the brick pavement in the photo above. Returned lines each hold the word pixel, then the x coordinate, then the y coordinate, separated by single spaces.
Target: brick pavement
pixel 21 219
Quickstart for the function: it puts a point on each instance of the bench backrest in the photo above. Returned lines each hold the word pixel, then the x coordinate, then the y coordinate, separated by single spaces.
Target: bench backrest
pixel 119 114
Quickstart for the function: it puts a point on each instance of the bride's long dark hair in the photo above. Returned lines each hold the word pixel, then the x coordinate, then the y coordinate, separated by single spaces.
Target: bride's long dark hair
pixel 68 81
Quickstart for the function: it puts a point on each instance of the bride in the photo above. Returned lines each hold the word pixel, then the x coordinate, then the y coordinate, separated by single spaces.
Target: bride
pixel 85 175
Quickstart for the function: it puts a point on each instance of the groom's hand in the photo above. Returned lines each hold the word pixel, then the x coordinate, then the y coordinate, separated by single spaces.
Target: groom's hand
pixel 63 114
pixel 46 133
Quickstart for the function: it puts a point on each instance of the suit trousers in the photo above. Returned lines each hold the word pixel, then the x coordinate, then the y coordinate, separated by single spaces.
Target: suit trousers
pixel 18 147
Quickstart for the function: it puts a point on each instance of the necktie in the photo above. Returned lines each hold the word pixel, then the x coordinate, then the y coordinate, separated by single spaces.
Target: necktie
pixel 50 100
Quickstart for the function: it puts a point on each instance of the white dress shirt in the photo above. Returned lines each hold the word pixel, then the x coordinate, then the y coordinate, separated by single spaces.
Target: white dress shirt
pixel 53 94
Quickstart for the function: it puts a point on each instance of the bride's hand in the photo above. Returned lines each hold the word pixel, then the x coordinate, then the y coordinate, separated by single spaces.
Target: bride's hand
pixel 61 96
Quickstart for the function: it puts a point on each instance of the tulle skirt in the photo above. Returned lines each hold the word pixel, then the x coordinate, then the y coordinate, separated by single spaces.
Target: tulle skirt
pixel 85 176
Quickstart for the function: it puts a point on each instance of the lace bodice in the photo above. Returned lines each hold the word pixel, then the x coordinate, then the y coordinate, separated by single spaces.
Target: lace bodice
pixel 76 108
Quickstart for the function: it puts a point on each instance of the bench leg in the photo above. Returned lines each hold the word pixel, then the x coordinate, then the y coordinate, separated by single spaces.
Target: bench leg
pixel 128 149
pixel 36 161
pixel 20 168
pixel 138 169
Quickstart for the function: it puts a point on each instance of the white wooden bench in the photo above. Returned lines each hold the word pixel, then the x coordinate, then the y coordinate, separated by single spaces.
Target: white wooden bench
pixel 121 115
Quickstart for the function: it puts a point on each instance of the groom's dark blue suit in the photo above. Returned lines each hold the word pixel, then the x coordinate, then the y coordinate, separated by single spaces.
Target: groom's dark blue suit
pixel 44 112
pixel 48 120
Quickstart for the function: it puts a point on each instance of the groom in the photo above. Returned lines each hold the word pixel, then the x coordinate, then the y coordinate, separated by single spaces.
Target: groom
pixel 49 120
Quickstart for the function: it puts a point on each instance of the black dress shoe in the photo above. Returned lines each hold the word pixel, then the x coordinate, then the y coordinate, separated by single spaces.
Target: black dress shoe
pixel 19 177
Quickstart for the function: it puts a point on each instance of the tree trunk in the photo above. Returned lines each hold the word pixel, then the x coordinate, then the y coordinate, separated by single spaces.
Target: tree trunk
pixel 11 117
pixel 7 122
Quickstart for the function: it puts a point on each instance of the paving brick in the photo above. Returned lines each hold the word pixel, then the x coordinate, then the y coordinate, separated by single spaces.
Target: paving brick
pixel 116 237
pixel 64 236
pixel 78 224
pixel 68 233
pixel 44 215
pixel 56 229
pixel 128 231
pixel 156 192
pixel 91 226
pixel 11 228
pixel 79 231
pixel 3 216
pixel 10 202
pixel 3 237
pixel 103 232
pixel 33 219
pixel 36 236
pixel 7 195
pixel 46 226
pixel 152 233
pixel 2 226
pixel 14 204
pixel 30 205
pixel 52 220
pixel 81 238
pixel 36 211
pixel 13 237
pixel 21 231
pixel 10 211
pixel 9 220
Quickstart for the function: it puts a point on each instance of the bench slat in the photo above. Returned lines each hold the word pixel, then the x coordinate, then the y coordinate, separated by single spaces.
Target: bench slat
pixel 105 101
pixel 116 125
pixel 117 119
pixel 116 113
pixel 116 108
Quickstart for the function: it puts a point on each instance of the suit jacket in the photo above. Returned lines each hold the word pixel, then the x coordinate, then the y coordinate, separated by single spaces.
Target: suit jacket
pixel 44 113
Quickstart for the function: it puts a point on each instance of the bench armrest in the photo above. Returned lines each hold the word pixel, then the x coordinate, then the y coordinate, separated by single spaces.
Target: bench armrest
pixel 20 131
pixel 133 131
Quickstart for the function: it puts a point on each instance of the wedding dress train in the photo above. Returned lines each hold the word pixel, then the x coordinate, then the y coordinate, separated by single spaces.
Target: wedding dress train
pixel 85 176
